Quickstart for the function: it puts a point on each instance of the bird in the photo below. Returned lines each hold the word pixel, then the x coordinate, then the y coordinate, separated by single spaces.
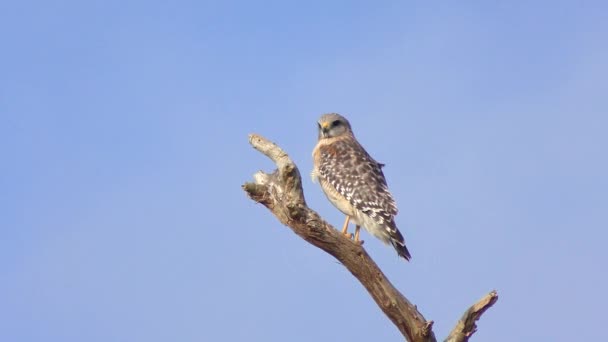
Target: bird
pixel 354 183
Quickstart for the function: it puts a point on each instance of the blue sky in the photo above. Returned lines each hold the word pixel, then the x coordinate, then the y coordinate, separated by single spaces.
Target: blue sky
pixel 123 134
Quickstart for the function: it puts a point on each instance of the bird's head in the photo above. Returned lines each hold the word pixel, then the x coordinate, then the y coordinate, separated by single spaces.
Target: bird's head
pixel 333 125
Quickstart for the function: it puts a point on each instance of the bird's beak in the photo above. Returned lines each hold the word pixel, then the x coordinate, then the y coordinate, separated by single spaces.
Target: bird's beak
pixel 324 128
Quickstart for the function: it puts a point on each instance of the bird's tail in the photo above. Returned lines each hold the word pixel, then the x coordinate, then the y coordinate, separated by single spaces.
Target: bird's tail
pixel 401 250
pixel 399 244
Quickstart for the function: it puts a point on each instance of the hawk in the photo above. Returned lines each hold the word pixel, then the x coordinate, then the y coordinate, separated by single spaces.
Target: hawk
pixel 354 183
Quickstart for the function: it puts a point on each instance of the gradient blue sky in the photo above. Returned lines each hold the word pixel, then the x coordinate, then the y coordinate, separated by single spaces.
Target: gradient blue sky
pixel 123 136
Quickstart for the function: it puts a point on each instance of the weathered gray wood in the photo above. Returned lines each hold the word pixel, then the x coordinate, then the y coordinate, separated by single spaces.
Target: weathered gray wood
pixel 466 326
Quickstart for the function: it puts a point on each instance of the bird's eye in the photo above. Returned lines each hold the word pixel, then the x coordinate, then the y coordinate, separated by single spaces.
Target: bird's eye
pixel 335 123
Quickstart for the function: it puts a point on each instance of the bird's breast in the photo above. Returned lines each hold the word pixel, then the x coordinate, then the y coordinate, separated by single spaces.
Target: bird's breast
pixel 336 198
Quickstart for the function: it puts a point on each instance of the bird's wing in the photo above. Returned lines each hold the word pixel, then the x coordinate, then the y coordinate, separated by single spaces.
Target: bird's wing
pixel 358 177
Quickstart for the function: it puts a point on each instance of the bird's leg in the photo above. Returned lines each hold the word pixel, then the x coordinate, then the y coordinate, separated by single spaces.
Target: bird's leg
pixel 345 227
pixel 357 229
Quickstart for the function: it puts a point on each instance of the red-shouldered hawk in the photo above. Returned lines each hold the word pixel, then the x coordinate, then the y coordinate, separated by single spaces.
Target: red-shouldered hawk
pixel 354 183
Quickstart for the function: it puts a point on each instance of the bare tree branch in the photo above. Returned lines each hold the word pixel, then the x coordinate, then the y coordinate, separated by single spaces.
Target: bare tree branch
pixel 466 326
pixel 282 193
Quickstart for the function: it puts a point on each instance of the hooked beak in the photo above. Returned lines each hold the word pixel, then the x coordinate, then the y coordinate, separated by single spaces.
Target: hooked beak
pixel 324 129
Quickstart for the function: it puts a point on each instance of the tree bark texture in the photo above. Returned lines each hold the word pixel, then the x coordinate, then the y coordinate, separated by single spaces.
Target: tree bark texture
pixel 282 193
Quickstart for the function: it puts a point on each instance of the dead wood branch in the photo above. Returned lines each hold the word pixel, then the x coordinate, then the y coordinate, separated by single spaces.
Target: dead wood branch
pixel 282 193
pixel 466 326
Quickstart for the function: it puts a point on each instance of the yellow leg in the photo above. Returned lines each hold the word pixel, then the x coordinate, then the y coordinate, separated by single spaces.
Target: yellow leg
pixel 345 227
pixel 357 229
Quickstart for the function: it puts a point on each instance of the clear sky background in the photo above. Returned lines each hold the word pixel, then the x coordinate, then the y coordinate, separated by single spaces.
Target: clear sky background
pixel 123 140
